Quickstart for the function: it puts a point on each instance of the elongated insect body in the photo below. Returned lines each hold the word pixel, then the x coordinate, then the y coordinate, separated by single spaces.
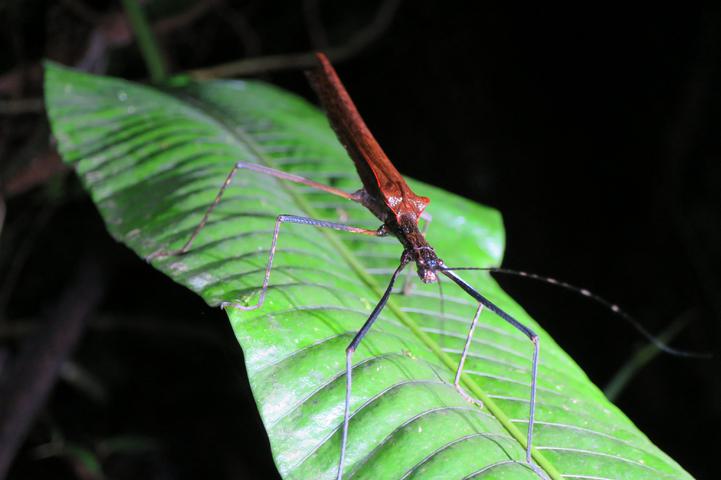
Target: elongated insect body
pixel 386 194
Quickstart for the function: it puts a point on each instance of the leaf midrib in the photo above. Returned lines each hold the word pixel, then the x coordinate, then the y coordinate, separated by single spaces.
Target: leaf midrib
pixel 255 150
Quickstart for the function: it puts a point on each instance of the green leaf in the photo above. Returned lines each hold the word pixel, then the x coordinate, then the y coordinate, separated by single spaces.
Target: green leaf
pixel 153 161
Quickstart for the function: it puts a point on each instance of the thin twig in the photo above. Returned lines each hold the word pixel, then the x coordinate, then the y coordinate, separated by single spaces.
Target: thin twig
pixel 146 41
pixel 299 61
pixel 184 18
pixel 641 358
pixel 79 377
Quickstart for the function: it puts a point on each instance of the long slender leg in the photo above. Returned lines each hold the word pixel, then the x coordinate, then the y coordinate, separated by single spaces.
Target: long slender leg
pixel 349 359
pixel 466 348
pixel 303 221
pixel 532 336
pixel 255 168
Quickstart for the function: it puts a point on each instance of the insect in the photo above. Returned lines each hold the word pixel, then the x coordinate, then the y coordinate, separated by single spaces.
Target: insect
pixel 387 195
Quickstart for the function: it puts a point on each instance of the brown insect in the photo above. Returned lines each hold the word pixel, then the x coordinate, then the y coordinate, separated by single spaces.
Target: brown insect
pixel 387 195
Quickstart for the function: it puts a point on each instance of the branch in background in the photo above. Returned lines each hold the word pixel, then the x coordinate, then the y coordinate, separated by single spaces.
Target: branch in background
pixel 110 31
pixel 146 41
pixel 84 381
pixel 113 31
pixel 40 169
pixel 184 18
pixel 642 357
pixel 298 61
pixel 26 385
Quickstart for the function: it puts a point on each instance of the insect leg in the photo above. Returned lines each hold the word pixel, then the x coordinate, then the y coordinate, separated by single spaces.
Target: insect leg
pixel 457 380
pixel 349 360
pixel 255 168
pixel 532 336
pixel 302 221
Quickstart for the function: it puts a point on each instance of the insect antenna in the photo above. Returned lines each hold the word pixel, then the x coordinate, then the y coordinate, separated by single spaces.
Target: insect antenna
pixel 633 321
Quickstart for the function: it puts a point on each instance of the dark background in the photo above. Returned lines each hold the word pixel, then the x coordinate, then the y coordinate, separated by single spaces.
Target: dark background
pixel 594 132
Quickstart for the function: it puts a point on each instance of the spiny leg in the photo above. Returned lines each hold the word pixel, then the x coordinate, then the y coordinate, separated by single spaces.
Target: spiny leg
pixel 466 348
pixel 302 221
pixel 255 168
pixel 532 336
pixel 349 360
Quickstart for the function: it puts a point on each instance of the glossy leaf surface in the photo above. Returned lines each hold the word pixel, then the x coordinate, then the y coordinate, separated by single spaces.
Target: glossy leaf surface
pixel 153 161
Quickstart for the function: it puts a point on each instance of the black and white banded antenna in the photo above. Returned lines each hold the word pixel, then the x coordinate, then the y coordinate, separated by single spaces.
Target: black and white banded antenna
pixel 633 321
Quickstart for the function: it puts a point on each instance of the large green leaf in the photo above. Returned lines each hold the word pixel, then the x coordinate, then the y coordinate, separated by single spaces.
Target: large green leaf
pixel 153 161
